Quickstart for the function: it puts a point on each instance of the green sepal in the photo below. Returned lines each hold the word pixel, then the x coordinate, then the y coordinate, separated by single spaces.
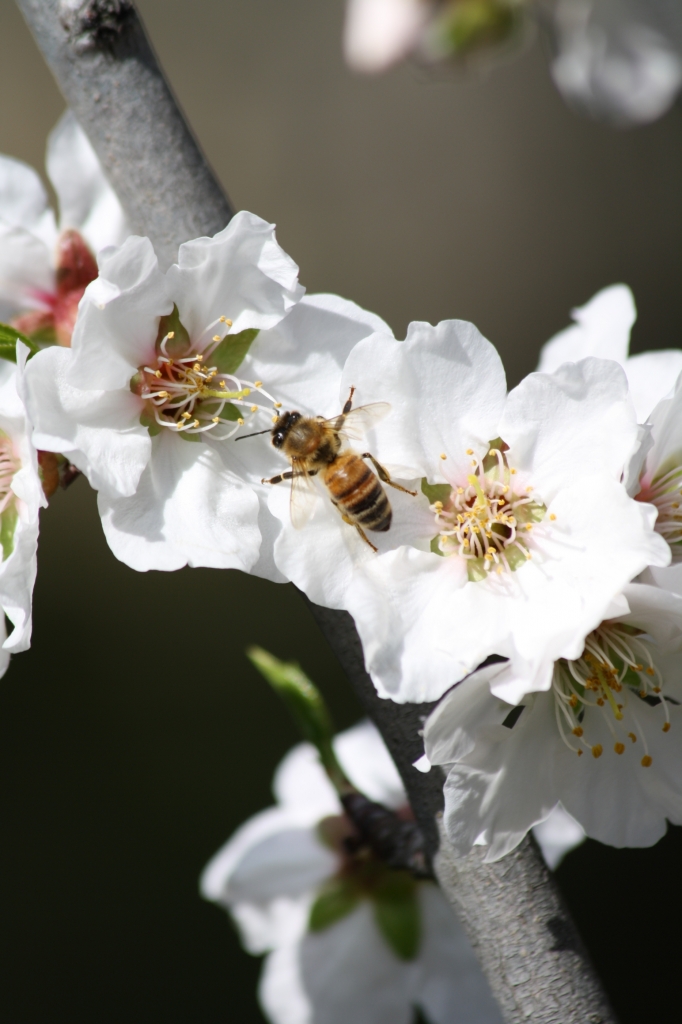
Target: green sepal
pixel 306 705
pixel 396 912
pixel 337 898
pixel 8 343
pixel 150 423
pixel 178 346
pixel 8 526
pixel 229 355
pixel 231 412
pixel 436 492
pixel 435 546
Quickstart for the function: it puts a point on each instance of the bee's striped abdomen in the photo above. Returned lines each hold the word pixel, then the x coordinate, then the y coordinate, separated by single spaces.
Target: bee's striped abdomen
pixel 357 493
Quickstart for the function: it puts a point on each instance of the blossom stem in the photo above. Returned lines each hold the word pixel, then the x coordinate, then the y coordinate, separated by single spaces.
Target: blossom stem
pixel 526 942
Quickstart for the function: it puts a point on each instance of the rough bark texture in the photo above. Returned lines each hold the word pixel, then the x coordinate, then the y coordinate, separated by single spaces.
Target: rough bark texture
pixel 111 80
pixel 526 942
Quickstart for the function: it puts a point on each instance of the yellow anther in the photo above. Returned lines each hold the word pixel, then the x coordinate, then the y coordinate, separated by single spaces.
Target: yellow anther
pixel 528 490
pixel 216 419
pixel 196 424
pixel 223 384
pixel 460 490
pixel 597 750
pixel 222 319
pixel 157 373
pixel 171 334
pixel 529 526
pixel 216 337
pixel 632 736
pixel 580 753
pixel 552 516
pixel 246 391
pixel 573 701
pixel 274 419
pixel 162 394
pixel 240 421
pixel 578 731
pixel 228 322
pixel 666 727
pixel 600 702
pixel 646 761
pixel 186 415
pixel 619 747
pixel 258 384
pixel 650 671
pixel 470 451
pixel 254 408
pixel 512 471
pixel 278 405
pixel 443 455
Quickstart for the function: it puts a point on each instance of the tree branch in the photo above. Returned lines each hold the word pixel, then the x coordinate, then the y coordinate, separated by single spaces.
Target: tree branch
pixel 511 910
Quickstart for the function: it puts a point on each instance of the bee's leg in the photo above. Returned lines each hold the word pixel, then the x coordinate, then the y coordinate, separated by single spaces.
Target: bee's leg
pixel 349 404
pixel 288 475
pixel 360 530
pixel 383 474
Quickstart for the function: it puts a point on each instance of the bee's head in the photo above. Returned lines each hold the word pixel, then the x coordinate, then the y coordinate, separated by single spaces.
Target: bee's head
pixel 282 427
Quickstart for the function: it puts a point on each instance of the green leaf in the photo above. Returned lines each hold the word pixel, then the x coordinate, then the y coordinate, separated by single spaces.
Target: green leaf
pixel 396 912
pixel 150 423
pixel 436 492
pixel 232 350
pixel 8 343
pixel 8 525
pixel 307 706
pixel 178 346
pixel 338 898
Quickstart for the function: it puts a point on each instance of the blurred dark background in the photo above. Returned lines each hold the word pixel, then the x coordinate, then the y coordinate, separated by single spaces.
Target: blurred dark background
pixel 126 756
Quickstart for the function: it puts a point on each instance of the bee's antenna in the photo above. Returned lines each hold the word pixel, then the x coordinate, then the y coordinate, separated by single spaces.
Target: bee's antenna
pixel 244 436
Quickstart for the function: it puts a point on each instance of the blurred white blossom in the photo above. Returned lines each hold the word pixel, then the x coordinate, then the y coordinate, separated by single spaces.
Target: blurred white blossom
pixel 602 741
pixel 619 59
pixel 297 892
pixel 46 264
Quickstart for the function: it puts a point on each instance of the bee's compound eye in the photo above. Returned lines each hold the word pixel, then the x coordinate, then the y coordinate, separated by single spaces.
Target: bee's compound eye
pixel 295 417
pixel 277 439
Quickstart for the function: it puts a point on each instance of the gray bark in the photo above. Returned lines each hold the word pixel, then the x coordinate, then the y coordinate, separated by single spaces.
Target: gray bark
pixel 527 945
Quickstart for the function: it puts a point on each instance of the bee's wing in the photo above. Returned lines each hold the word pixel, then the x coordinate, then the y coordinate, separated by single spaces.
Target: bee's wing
pixel 302 498
pixel 358 421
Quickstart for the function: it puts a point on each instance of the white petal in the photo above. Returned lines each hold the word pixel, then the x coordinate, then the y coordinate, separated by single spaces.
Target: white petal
pixel 118 317
pixel 187 510
pixel 23 201
pixel 382 987
pixel 666 424
pixel 451 987
pixel 377 33
pixel 26 274
pixel 241 273
pixel 569 424
pixel 446 387
pixel 280 990
pixel 602 329
pixel 99 430
pixel 323 557
pixel 87 201
pixel 450 729
pixel 557 835
pixel 302 786
pixel 652 376
pixel 301 359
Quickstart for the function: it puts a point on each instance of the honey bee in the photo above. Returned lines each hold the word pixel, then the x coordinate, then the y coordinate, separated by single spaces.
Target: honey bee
pixel 315 446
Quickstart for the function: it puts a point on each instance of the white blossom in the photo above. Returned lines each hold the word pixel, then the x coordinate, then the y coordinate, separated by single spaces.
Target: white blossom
pixel 557 835
pixel 21 498
pixel 270 873
pixel 532 535
pixel 619 59
pixel 46 264
pixel 164 372
pixel 601 741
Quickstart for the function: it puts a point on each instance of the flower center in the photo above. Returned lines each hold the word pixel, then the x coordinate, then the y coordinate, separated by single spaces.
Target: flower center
pixel 665 492
pixel 9 465
pixel 187 395
pixel 488 522
pixel 614 672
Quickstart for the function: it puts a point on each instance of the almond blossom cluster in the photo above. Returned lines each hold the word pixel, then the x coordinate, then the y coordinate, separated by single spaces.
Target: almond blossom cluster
pixel 515 555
